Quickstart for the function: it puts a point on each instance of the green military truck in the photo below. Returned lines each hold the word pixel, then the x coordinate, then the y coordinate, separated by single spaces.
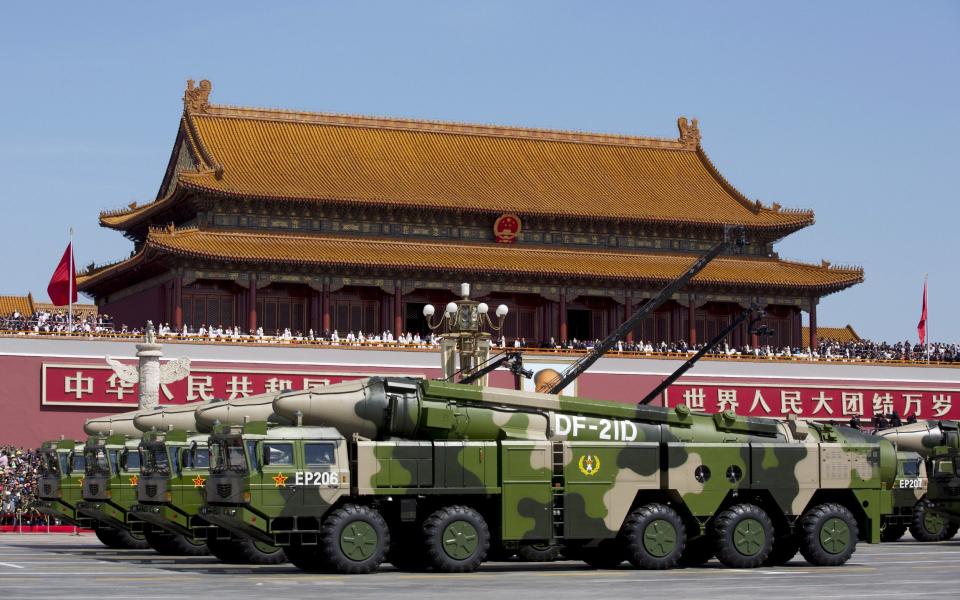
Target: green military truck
pixel 940 440
pixel 923 446
pixel 111 473
pixel 175 468
pixel 429 474
pixel 60 480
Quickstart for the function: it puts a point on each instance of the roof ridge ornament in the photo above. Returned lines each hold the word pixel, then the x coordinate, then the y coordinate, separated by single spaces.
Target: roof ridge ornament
pixel 689 133
pixel 197 99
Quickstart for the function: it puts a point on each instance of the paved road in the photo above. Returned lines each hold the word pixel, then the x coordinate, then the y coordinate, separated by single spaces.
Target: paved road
pixel 78 567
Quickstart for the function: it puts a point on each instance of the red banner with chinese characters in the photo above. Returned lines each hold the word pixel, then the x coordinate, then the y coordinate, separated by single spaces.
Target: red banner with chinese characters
pixel 827 402
pixel 95 385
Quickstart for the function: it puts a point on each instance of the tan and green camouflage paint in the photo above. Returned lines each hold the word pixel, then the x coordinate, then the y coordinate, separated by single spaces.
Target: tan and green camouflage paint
pixel 612 454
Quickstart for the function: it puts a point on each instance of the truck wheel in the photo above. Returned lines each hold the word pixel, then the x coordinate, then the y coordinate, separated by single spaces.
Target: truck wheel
pixel 306 558
pixel 354 539
pixel 744 536
pixel 608 554
pixel 175 544
pixel 891 532
pixel 245 551
pixel 121 539
pixel 785 547
pixel 456 539
pixel 927 526
pixel 224 550
pixel 538 552
pixel 697 552
pixel 828 535
pixel 654 537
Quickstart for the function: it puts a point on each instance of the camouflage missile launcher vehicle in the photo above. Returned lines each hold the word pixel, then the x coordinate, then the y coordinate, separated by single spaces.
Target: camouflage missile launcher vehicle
pixel 433 473
pixel 938 512
pixel 924 469
pixel 111 473
pixel 61 477
pixel 175 469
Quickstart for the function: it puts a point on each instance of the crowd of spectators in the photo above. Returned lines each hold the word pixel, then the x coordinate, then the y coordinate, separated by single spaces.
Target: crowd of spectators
pixel 19 469
pixel 94 325
pixel 44 321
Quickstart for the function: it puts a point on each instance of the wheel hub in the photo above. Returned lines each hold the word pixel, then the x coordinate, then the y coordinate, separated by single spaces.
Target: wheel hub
pixel 358 540
pixel 749 537
pixel 660 537
pixel 834 535
pixel 460 540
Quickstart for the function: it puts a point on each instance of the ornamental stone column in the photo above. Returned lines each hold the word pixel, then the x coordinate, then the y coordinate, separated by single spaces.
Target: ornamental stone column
pixel 149 375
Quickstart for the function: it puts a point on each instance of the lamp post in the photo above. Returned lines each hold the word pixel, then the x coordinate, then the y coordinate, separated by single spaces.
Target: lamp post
pixel 464 324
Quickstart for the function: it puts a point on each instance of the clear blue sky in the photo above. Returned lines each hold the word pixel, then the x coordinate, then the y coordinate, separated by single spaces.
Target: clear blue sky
pixel 849 108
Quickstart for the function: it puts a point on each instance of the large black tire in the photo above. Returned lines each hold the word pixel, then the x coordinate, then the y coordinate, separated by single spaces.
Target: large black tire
pixel 245 551
pixel 456 539
pixel 697 552
pixel 654 537
pixel 926 526
pixel 744 536
pixel 306 558
pixel 121 539
pixel 785 547
pixel 175 544
pixel 892 532
pixel 354 539
pixel 608 554
pixel 828 535
pixel 538 552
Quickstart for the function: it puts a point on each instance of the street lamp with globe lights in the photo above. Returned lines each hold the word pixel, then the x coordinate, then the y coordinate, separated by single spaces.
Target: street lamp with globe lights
pixel 463 329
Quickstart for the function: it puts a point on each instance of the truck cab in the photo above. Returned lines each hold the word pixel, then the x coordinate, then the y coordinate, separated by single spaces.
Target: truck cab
pixel 61 477
pixel 112 472
pixel 943 496
pixel 173 469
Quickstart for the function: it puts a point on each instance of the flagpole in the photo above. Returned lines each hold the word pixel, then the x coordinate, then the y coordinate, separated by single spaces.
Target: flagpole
pixel 70 284
pixel 927 319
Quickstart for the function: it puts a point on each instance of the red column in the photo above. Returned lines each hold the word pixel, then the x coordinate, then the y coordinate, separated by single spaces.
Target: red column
pixel 627 311
pixel 691 322
pixel 178 302
pixel 814 342
pixel 325 300
pixel 315 311
pixel 563 316
pixel 252 304
pixel 397 305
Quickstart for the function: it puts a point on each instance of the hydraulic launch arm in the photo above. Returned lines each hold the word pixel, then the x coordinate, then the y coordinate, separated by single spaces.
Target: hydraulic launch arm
pixel 731 237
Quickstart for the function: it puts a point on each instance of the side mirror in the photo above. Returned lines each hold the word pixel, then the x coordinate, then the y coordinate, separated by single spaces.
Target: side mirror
pixel 123 460
pixel 265 457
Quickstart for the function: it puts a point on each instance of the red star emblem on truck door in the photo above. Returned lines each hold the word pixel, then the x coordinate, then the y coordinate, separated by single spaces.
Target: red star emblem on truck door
pixel 280 480
pixel 134 480
pixel 198 481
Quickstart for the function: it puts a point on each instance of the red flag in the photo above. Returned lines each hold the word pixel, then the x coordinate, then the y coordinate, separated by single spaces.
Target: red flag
pixel 922 325
pixel 64 280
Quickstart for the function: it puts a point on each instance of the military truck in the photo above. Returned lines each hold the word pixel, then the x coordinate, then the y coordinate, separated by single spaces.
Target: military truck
pixel 61 476
pixel 445 470
pixel 175 469
pixel 923 446
pixel 111 473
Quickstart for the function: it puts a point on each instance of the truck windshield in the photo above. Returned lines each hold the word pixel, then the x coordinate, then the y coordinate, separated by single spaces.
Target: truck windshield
pixel 50 465
pixel 227 454
pixel 78 462
pixel 155 460
pixel 96 461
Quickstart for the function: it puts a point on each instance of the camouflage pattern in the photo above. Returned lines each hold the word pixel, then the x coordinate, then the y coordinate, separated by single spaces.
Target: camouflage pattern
pixel 60 481
pixel 539 467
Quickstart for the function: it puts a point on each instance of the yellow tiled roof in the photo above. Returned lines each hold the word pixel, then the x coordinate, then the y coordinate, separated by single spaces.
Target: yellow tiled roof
pixel 21 304
pixel 837 334
pixel 481 258
pixel 379 161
